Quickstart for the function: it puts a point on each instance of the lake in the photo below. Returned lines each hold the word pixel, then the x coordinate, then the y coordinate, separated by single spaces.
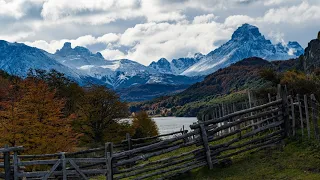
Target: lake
pixel 172 124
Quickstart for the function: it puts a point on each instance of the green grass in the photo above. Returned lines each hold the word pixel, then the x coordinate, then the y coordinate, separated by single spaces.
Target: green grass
pixel 296 160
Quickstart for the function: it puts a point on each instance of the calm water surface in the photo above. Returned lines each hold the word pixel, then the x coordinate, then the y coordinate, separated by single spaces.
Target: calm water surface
pixel 171 124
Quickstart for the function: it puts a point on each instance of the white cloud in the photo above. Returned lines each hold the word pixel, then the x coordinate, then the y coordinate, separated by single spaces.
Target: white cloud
pixel 204 18
pixel 108 38
pixel 146 30
pixel 112 54
pixel 237 20
pixel 297 14
pixel 277 36
pixel 11 8
pixel 152 41
pixel 16 37
pixel 84 41
pixel 16 8
pixel 275 2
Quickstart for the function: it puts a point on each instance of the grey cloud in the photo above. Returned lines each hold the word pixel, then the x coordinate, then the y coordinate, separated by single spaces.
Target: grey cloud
pixel 61 29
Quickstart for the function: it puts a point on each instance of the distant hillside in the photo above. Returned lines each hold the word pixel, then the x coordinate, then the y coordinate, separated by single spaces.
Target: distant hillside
pixel 149 91
pixel 235 78
pixel 241 75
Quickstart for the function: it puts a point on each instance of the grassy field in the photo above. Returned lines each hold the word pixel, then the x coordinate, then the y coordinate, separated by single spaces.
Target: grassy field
pixel 295 160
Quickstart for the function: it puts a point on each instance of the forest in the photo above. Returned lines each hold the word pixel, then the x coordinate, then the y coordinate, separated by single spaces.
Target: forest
pixel 45 112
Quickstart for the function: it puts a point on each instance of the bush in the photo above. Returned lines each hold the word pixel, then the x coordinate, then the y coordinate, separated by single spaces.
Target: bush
pixel 144 126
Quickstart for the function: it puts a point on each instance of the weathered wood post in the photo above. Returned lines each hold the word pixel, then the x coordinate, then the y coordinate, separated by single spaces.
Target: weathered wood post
pixel 307 114
pixel 285 111
pixel 223 114
pixel 15 165
pixel 314 117
pixel 128 138
pixel 108 154
pixel 6 159
pixel 269 97
pixel 250 106
pixel 206 145
pixel 278 91
pixel 64 165
pixel 234 107
pixel 293 117
pixel 301 115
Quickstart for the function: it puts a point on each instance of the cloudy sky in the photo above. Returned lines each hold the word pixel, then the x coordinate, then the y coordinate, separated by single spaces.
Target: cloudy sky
pixel 146 30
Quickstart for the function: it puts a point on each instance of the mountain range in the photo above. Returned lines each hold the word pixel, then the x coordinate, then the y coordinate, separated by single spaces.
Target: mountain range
pixel 230 83
pixel 246 41
pixel 83 66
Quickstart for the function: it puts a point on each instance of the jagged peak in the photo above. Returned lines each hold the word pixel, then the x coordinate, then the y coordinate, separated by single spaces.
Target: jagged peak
pixel 67 45
pixel 163 60
pixel 127 61
pixel 246 31
pixel 99 55
pixel 78 50
pixel 160 61
pixel 293 43
pixel 198 56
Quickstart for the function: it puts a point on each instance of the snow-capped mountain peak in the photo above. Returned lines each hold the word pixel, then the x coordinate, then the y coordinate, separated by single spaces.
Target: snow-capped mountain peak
pixel 247 32
pixel 80 64
pixel 176 66
pixel 18 59
pixel 246 41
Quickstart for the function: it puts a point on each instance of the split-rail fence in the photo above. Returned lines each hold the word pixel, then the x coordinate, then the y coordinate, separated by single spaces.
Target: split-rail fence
pixel 220 135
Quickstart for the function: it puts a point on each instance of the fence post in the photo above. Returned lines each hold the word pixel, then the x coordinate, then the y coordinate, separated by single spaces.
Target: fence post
pixel 128 138
pixel 285 113
pixel 7 171
pixel 206 145
pixel 301 116
pixel 278 91
pixel 293 117
pixel 307 114
pixel 15 165
pixel 223 114
pixel 314 117
pixel 108 153
pixel 64 165
pixel 250 105
pixel 269 97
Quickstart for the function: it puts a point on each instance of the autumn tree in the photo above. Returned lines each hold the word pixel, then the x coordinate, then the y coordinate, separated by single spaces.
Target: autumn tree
pixel 271 75
pixel 144 126
pixel 65 88
pixel 31 116
pixel 300 83
pixel 99 112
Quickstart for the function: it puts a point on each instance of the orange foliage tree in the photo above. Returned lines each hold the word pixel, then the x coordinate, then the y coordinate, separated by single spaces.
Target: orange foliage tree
pixel 31 115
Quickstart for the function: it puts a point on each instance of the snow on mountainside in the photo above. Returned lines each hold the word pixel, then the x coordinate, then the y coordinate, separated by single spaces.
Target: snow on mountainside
pixel 18 59
pixel 115 73
pixel 246 42
pixel 83 66
pixel 176 66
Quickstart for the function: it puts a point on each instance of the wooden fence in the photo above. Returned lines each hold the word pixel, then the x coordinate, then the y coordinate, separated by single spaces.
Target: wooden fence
pixel 219 136
pixel 63 165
